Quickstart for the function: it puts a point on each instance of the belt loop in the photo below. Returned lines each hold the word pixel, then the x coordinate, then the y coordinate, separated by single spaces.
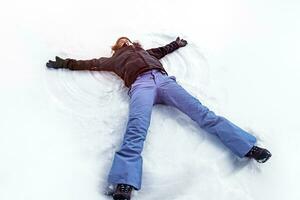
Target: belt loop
pixel 153 75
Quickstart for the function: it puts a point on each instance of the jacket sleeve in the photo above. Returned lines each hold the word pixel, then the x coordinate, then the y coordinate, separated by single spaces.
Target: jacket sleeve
pixel 164 50
pixel 100 64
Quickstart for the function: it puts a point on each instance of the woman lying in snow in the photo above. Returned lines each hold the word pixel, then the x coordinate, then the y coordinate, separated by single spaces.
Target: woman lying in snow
pixel 150 84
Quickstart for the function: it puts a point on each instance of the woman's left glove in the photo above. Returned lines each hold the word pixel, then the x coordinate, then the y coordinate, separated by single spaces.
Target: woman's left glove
pixel 58 63
pixel 181 42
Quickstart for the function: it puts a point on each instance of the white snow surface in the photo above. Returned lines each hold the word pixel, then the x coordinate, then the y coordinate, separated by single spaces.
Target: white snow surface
pixel 59 129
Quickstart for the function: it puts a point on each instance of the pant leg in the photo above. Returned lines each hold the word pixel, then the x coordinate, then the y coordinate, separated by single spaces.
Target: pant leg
pixel 127 163
pixel 236 139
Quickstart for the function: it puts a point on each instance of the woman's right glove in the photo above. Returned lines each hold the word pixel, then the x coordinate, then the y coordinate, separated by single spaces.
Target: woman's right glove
pixel 58 63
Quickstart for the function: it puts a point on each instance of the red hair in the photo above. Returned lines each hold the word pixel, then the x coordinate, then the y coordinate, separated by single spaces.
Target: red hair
pixel 117 46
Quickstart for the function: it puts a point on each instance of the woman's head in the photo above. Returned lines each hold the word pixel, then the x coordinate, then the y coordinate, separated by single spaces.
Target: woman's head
pixel 121 42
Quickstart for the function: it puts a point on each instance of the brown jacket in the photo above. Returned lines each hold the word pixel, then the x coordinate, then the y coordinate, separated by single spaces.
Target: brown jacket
pixel 127 62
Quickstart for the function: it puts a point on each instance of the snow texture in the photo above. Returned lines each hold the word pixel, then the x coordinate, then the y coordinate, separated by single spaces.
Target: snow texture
pixel 59 129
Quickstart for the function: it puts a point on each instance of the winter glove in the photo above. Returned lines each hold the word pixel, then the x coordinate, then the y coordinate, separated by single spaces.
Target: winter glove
pixel 58 63
pixel 181 42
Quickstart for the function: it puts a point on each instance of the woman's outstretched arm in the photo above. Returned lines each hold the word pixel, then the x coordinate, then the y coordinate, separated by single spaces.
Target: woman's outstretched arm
pixel 160 52
pixel 100 64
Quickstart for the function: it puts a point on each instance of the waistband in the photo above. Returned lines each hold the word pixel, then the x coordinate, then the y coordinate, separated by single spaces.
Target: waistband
pixel 152 71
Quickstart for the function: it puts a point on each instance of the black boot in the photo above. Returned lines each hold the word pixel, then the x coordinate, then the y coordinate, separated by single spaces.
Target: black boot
pixel 122 192
pixel 261 155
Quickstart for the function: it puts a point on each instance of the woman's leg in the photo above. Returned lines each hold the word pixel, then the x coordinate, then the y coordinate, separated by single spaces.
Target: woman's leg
pixel 236 139
pixel 127 163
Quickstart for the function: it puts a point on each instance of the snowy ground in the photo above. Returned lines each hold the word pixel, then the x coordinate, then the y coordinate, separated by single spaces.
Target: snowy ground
pixel 59 129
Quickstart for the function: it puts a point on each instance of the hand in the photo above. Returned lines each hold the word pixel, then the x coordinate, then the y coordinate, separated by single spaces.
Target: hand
pixel 58 63
pixel 181 42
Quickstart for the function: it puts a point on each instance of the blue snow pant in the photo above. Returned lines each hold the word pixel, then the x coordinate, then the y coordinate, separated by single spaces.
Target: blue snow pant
pixel 155 87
